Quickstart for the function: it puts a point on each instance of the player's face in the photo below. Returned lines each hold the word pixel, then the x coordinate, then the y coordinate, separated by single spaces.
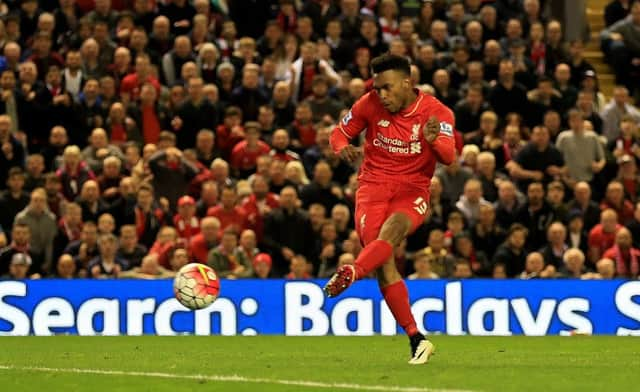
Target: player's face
pixel 393 88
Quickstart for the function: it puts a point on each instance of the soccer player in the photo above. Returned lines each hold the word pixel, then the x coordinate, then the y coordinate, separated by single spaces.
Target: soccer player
pixel 407 132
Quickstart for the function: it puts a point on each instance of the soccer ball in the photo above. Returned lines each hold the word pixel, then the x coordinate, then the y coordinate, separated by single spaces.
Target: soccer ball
pixel 196 286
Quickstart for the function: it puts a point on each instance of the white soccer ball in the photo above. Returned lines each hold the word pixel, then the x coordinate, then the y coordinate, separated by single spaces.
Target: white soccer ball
pixel 196 286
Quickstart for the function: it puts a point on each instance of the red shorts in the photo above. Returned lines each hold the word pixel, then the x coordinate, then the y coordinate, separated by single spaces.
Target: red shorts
pixel 376 202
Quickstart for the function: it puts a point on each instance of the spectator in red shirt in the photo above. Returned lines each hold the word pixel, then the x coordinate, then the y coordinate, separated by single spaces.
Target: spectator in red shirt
pixel 262 265
pixel 185 221
pixel 150 117
pixel 204 241
pixel 614 199
pixel 131 84
pixel 229 214
pixel 246 153
pixel 302 129
pixel 280 143
pixel 230 131
pixel 258 204
pixel 602 236
pixel 165 244
pixel 625 256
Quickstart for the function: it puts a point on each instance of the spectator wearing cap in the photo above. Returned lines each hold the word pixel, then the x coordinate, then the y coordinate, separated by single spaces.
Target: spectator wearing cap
pixel 245 154
pixel 19 267
pixel 107 264
pixel 185 221
pixel 512 252
pixel 130 249
pixel 227 260
pixel 625 256
pixel 20 243
pixel 262 266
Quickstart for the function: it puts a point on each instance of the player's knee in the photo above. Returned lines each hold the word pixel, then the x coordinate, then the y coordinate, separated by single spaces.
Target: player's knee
pixel 395 229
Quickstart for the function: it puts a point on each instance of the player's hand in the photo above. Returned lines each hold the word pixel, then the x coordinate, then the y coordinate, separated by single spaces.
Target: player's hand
pixel 431 129
pixel 350 153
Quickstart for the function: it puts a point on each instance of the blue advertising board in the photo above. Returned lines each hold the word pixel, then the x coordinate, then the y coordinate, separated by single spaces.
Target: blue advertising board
pixel 249 307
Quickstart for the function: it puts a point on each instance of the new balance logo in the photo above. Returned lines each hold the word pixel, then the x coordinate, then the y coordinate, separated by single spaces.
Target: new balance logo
pixel 420 206
pixel 383 123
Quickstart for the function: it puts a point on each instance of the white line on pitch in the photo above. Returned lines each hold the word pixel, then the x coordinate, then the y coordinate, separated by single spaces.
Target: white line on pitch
pixel 234 378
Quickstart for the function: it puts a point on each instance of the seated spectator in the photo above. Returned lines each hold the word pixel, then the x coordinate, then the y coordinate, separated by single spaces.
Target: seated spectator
pixel 258 204
pixel 205 241
pixel 625 256
pixel 464 249
pixel 148 269
pixel 90 201
pixel 602 236
pixel 73 173
pixel 422 266
pixel 326 250
pixel 248 245
pixel 280 143
pixel 294 172
pixel 576 234
pixel 537 215
pixel 512 252
pixel 19 267
pixel 627 143
pixel 262 266
pixel 555 198
pixel 69 228
pixel 43 228
pixel 66 267
pixel 556 247
pixel 99 148
pixel 228 212
pixel 573 264
pixel 621 45
pixel 606 269
pixel 453 178
pixel 146 215
pixel 322 189
pixel 471 201
pixel 20 243
pixel 208 198
pixel 84 249
pixel 612 113
pixel 462 270
pixel 227 261
pixel 535 267
pixel 442 263
pixel 303 131
pixel 583 203
pixel 615 199
pixel 107 264
pixel 13 199
pixel 298 268
pixel 35 172
pixel 130 250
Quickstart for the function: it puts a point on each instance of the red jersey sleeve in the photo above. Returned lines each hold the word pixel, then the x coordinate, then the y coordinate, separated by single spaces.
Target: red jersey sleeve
pixel 444 147
pixel 354 122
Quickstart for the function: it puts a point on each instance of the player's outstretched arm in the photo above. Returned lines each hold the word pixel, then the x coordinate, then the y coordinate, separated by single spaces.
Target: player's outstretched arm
pixel 439 134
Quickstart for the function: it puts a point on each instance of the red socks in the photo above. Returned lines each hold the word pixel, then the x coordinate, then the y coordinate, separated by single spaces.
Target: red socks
pixel 372 256
pixel 397 297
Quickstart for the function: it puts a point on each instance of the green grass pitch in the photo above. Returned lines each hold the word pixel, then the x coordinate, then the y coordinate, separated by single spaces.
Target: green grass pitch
pixel 275 363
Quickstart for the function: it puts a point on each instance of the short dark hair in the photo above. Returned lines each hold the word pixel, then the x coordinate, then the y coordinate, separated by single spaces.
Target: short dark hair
pixel 388 62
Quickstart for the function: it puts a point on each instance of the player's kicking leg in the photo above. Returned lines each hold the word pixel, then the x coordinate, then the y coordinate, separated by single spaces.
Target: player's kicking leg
pixel 379 255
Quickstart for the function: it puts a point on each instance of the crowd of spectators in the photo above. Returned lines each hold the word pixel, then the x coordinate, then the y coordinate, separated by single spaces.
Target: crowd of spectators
pixel 138 136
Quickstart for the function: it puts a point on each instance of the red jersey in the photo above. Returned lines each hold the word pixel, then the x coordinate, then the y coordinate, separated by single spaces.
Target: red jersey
pixel 131 85
pixel 244 158
pixel 236 218
pixel 598 238
pixel 395 149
